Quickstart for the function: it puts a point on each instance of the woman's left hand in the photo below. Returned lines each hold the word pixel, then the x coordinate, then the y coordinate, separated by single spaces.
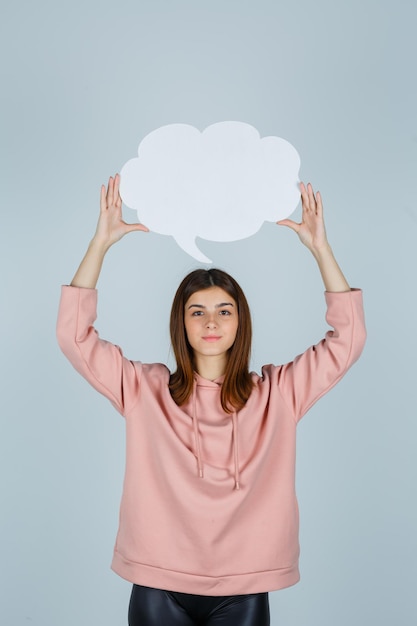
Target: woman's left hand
pixel 310 230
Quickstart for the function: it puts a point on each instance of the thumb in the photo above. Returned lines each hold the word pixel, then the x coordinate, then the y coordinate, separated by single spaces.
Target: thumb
pixel 133 227
pixel 293 225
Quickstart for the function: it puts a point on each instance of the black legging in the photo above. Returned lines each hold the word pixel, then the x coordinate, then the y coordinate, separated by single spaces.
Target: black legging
pixel 156 607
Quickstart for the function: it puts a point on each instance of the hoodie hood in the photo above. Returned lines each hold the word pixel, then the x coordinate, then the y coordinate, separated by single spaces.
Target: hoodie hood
pixel 210 390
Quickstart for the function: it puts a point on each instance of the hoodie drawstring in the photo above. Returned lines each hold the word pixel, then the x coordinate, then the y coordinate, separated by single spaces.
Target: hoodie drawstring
pixel 236 450
pixel 197 440
pixel 196 435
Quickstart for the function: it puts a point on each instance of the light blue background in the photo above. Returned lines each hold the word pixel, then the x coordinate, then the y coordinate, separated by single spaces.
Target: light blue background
pixel 82 84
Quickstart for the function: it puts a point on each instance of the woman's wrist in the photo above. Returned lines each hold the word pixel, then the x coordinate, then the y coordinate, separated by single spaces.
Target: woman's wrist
pixel 322 252
pixel 99 245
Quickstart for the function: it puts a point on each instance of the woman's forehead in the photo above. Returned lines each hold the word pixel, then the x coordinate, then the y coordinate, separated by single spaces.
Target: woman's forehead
pixel 211 296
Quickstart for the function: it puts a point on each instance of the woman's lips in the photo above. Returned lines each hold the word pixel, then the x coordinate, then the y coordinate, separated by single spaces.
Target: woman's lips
pixel 211 338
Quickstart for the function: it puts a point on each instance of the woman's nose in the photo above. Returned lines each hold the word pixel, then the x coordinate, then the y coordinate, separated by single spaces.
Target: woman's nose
pixel 211 323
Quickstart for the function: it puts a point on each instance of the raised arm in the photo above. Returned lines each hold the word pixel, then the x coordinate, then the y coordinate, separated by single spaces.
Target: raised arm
pixel 312 234
pixel 110 228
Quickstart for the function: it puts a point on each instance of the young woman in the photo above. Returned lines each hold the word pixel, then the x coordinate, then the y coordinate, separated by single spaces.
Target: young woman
pixel 209 517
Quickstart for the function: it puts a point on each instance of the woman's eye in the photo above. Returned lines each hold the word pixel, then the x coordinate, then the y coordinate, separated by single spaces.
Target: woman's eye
pixel 225 312
pixel 196 313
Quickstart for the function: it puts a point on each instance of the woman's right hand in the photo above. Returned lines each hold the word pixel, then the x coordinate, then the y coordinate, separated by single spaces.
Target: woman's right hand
pixel 111 227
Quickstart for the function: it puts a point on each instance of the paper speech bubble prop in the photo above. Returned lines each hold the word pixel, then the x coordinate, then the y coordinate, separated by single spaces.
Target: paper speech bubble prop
pixel 220 184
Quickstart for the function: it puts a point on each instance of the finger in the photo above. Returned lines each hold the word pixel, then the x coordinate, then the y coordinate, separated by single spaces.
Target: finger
pixel 103 202
pixel 290 224
pixel 311 198
pixel 116 192
pixel 110 187
pixel 304 195
pixel 116 185
pixel 319 210
pixel 132 227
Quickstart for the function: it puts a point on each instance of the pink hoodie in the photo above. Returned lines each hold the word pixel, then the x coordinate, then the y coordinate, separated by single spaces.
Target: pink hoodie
pixel 209 504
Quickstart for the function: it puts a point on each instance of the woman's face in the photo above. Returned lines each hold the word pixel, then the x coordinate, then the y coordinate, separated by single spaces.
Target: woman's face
pixel 211 321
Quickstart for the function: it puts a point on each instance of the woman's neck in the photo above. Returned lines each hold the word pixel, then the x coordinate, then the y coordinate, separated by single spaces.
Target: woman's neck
pixel 211 367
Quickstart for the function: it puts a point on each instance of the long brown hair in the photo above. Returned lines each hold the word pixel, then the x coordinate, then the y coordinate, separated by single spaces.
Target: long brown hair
pixel 237 384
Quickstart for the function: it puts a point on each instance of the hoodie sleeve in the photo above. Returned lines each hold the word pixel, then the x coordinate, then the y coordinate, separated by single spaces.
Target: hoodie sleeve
pixel 303 381
pixel 101 363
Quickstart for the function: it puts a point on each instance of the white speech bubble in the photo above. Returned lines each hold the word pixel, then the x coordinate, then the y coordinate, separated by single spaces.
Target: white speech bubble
pixel 221 184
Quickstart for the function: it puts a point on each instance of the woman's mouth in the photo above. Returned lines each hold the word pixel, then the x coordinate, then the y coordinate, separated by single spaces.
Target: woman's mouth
pixel 211 338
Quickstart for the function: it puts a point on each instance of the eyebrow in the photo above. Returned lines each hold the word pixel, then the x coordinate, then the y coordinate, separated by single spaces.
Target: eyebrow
pixel 217 306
